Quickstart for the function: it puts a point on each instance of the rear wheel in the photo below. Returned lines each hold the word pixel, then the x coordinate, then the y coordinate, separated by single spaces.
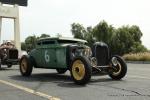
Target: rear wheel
pixel 26 66
pixel 81 70
pixel 119 70
pixel 61 71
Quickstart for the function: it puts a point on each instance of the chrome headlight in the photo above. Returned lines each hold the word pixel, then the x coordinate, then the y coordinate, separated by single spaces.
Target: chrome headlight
pixel 114 61
pixel 93 61
pixel 88 52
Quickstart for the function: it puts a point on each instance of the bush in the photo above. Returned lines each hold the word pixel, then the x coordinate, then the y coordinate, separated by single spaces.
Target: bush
pixel 145 56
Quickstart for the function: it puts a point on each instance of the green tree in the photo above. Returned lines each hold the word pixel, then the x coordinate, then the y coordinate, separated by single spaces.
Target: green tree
pixel 103 32
pixel 138 47
pixel 127 39
pixel 78 31
pixel 23 46
pixel 89 36
pixel 136 33
pixel 123 40
pixel 30 42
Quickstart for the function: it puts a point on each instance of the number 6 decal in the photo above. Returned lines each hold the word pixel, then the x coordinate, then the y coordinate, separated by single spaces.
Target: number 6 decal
pixel 47 58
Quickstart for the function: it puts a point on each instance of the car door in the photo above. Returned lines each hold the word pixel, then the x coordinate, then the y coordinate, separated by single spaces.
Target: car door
pixel 36 54
pixel 48 54
pixel 61 57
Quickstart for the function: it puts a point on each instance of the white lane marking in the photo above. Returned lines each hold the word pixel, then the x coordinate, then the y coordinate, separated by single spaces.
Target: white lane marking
pixel 30 90
pixel 132 76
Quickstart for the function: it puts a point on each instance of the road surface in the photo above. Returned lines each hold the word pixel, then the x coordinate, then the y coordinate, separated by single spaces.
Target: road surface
pixel 46 84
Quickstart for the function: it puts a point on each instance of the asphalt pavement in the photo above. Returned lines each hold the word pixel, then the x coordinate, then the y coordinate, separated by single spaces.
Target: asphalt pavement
pixel 46 84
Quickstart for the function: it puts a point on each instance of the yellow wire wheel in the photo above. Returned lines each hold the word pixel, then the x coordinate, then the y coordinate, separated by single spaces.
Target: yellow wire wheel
pixel 26 66
pixel 81 70
pixel 120 70
pixel 78 70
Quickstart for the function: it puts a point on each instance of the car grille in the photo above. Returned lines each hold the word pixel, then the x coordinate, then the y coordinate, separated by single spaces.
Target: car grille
pixel 13 54
pixel 100 50
pixel 101 55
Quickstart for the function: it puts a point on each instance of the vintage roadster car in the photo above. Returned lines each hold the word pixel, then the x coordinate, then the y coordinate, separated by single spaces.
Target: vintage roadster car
pixel 65 54
pixel 8 54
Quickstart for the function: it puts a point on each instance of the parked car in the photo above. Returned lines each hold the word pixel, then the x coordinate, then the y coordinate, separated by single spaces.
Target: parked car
pixel 8 54
pixel 65 54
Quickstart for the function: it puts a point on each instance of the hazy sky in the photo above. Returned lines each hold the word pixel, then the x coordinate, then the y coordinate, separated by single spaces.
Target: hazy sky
pixel 56 16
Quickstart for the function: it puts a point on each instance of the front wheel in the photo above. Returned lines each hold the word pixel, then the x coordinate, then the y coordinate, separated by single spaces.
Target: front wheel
pixel 26 66
pixel 81 70
pixel 119 69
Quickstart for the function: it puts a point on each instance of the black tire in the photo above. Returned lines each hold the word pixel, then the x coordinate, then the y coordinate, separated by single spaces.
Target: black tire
pixel 120 71
pixel 9 65
pixel 80 70
pixel 26 66
pixel 61 71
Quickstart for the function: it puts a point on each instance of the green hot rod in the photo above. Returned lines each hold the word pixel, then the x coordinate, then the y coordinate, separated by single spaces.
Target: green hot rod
pixel 65 54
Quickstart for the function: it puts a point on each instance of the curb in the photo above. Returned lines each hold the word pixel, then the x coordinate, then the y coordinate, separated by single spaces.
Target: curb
pixel 138 62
